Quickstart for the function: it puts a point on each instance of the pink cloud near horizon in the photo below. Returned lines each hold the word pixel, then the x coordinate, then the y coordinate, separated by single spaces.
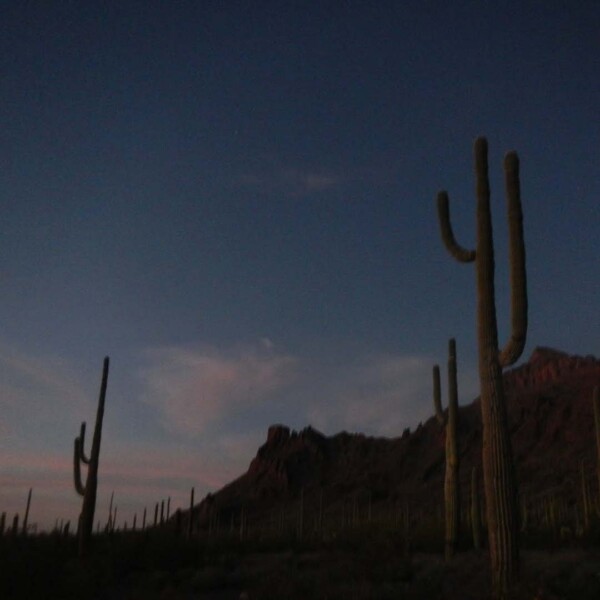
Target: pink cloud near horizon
pixel 146 475
pixel 193 389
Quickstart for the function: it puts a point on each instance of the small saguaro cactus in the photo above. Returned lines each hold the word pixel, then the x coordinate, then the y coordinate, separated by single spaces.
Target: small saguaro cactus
pixel 596 402
pixel 500 483
pixel 191 520
pixel 585 498
pixel 300 523
pixel 110 524
pixel 88 491
pixel 524 513
pixel 450 421
pixel 243 524
pixel 26 517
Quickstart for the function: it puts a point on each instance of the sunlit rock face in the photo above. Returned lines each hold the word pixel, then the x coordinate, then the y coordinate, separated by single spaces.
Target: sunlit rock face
pixel 277 434
pixel 547 366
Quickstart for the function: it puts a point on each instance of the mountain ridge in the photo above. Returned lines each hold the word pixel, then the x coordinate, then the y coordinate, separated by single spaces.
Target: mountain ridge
pixel 549 401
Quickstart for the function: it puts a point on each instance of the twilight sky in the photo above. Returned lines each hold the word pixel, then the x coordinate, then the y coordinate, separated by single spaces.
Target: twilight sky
pixel 235 201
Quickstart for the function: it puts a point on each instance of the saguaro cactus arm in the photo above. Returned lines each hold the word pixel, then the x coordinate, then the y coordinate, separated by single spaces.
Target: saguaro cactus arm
pixel 460 254
pixel 84 459
pixel 79 487
pixel 518 277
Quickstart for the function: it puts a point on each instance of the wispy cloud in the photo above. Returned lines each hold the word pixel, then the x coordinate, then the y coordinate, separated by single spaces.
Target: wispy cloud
pixel 23 375
pixel 292 181
pixel 198 390
pixel 39 394
pixel 194 388
pixel 378 394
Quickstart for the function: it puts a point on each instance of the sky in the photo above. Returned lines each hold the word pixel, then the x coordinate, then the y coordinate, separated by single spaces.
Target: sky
pixel 235 201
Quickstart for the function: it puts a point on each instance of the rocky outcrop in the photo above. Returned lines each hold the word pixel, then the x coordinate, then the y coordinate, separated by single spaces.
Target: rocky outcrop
pixel 547 366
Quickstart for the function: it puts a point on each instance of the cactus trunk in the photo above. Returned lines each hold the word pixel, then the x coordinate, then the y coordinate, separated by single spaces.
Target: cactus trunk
pixel 498 473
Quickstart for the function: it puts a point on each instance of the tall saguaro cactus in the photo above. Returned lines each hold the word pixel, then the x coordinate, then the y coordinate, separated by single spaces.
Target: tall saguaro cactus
pixel 450 421
pixel 498 469
pixel 88 491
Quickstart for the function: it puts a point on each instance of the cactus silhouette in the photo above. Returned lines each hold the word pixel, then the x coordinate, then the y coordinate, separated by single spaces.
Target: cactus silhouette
pixel 596 403
pixel 585 498
pixel 88 491
pixel 26 517
pixel 500 482
pixel 450 421
pixel 191 521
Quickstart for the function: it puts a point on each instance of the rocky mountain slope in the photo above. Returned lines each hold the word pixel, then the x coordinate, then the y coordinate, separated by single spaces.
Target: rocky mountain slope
pixel 551 422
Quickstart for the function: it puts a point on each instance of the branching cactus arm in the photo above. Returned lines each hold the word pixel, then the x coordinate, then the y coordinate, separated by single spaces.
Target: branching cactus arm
pixel 79 487
pixel 460 254
pixel 84 459
pixel 518 277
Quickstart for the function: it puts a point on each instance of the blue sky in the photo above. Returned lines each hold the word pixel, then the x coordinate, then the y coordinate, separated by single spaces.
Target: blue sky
pixel 236 202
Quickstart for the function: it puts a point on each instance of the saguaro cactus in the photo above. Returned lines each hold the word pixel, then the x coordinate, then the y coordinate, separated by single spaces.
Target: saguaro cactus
pixel 110 523
pixel 585 498
pixel 26 517
pixel 500 482
pixel 300 522
pixel 191 521
pixel 86 518
pixel 596 402
pixel 450 421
